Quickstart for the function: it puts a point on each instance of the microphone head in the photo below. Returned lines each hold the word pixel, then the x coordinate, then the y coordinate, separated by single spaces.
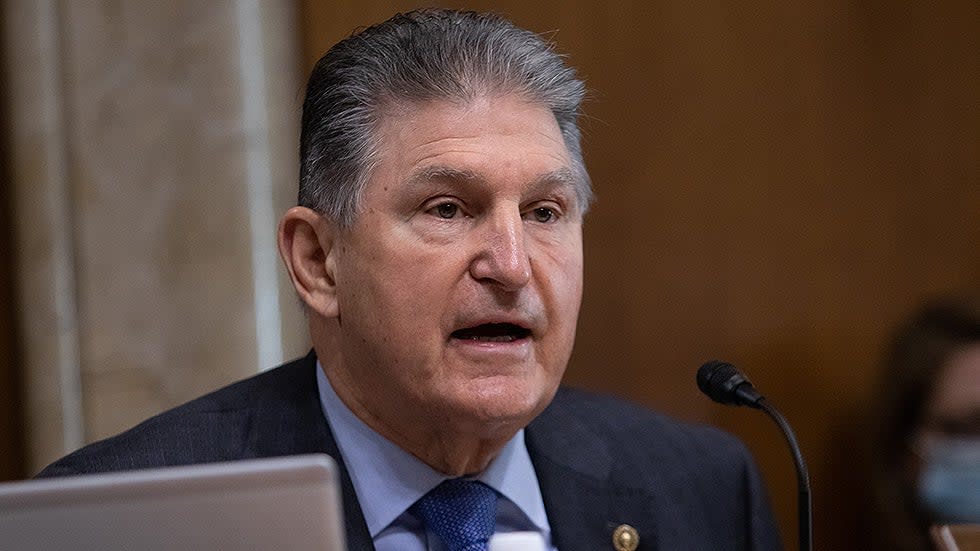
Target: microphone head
pixel 725 384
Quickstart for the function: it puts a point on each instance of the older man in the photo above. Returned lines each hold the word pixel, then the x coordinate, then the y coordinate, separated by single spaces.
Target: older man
pixel 437 247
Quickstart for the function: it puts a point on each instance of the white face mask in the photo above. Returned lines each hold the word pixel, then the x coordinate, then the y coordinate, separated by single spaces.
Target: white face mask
pixel 949 483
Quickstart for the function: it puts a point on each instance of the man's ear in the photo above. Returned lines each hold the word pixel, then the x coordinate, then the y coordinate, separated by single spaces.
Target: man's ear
pixel 306 244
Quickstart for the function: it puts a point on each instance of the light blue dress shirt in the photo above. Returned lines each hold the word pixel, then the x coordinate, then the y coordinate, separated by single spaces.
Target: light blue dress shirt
pixel 388 480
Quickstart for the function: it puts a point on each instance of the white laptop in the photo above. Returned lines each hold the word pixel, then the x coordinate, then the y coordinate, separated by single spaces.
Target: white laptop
pixel 280 503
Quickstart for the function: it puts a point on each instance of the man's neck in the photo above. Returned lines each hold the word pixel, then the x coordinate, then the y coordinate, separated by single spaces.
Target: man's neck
pixel 443 446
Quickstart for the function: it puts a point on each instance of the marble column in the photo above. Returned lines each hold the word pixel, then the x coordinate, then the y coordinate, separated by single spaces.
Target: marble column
pixel 154 147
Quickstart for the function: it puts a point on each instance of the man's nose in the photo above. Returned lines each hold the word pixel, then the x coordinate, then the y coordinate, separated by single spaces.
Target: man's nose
pixel 503 256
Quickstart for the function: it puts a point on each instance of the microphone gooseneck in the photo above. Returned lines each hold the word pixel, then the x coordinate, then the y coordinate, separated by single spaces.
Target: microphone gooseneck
pixel 725 384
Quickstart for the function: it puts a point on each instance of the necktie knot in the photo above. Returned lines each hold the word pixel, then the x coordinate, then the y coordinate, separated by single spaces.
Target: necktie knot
pixel 461 512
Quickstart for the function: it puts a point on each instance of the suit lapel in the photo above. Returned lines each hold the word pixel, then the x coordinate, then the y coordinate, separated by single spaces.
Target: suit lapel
pixel 288 420
pixel 574 469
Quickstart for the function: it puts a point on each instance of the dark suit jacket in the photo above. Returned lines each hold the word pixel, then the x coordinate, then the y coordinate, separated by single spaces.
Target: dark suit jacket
pixel 600 462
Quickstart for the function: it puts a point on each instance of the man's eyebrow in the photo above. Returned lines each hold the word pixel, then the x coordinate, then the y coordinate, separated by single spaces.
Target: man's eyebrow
pixel 441 172
pixel 562 177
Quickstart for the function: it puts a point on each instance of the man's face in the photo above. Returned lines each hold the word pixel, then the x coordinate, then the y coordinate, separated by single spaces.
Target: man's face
pixel 459 284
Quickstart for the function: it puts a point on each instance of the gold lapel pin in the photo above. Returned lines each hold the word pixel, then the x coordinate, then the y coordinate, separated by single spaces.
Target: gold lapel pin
pixel 625 538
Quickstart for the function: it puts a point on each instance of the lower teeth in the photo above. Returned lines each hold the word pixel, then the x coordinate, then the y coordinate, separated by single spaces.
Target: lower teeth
pixel 502 338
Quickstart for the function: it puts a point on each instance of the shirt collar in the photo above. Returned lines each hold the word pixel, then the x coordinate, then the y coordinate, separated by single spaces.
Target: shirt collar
pixel 388 480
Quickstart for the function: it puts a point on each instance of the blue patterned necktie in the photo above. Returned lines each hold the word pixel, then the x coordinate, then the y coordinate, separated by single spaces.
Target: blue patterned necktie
pixel 461 512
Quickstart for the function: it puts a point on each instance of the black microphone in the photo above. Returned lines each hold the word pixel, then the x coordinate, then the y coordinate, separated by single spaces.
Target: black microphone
pixel 725 384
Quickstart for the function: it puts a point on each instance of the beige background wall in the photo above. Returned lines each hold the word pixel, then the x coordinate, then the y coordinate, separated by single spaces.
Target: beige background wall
pixel 152 150
pixel 778 184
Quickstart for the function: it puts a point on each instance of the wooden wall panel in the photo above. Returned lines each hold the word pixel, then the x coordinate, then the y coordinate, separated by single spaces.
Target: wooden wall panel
pixel 778 184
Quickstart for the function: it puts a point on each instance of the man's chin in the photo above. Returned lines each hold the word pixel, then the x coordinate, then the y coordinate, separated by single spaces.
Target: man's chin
pixel 498 405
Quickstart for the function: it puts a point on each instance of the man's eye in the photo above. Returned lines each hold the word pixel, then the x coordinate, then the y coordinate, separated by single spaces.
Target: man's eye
pixel 543 214
pixel 446 210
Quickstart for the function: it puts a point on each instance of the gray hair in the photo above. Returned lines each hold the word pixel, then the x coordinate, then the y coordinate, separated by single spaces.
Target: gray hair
pixel 420 56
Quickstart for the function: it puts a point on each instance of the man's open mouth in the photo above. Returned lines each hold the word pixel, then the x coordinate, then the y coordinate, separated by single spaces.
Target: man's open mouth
pixel 492 332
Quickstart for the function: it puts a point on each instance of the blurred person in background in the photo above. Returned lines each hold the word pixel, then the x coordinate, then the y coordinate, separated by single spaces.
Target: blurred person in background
pixel 926 444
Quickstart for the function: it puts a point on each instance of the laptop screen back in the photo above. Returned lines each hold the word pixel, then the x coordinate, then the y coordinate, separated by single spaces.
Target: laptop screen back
pixel 277 503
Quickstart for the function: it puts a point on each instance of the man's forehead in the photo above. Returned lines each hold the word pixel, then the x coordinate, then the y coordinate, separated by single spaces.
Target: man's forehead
pixel 431 140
